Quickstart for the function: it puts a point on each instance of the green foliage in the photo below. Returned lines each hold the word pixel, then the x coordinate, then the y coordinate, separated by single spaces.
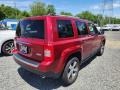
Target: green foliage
pixel 87 15
pixel 9 12
pixel 38 8
pixel 66 13
pixel 2 15
pixel 23 15
pixel 99 19
pixel 50 10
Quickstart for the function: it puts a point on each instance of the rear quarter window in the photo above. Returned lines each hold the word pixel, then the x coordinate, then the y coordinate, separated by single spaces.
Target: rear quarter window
pixel 64 28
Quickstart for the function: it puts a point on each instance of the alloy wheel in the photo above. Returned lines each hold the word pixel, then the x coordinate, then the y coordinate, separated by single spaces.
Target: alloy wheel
pixel 8 47
pixel 72 71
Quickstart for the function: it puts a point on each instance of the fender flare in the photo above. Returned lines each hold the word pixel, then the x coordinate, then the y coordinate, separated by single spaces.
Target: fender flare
pixel 65 55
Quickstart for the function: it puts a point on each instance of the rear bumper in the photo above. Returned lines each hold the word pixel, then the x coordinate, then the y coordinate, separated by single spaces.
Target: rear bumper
pixel 33 67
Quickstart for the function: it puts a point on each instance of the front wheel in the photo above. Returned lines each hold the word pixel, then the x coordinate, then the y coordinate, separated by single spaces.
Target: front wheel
pixel 8 47
pixel 71 70
pixel 101 50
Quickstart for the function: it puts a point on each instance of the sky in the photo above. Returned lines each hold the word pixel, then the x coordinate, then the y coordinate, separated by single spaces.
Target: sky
pixel 73 6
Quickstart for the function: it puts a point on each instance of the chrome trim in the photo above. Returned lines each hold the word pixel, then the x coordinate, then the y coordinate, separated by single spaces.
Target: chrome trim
pixel 25 61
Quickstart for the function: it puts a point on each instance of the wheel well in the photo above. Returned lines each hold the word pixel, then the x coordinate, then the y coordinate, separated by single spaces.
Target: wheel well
pixel 76 54
pixel 4 43
pixel 103 42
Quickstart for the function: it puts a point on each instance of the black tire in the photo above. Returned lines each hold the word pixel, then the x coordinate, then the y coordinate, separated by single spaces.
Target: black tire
pixel 69 76
pixel 101 50
pixel 7 47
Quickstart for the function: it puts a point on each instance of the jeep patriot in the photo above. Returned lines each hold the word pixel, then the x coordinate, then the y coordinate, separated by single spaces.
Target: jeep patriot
pixel 55 46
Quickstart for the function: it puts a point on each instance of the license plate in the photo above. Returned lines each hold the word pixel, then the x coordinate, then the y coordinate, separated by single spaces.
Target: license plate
pixel 23 49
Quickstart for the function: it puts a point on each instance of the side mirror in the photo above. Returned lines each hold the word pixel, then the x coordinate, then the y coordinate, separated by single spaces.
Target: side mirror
pixel 102 31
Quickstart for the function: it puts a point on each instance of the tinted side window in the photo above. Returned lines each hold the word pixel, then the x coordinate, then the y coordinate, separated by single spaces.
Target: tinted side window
pixel 64 28
pixel 93 29
pixel 82 28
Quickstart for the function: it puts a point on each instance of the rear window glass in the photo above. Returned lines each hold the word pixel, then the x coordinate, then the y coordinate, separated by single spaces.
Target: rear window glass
pixel 31 29
pixel 64 28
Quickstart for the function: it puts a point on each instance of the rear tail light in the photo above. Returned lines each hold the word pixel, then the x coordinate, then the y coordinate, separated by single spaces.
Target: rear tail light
pixel 48 53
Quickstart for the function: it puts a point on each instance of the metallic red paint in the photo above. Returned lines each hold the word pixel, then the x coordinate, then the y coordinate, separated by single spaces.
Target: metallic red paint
pixel 60 48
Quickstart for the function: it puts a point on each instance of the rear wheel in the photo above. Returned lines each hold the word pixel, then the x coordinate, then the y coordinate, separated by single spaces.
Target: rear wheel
pixel 8 47
pixel 71 70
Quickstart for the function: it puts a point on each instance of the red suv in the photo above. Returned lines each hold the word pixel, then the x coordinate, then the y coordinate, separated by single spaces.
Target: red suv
pixel 55 46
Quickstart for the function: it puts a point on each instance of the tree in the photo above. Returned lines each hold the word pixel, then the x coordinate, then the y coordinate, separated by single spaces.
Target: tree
pixel 99 19
pixel 87 15
pixel 66 13
pixel 2 15
pixel 9 11
pixel 23 14
pixel 38 8
pixel 51 10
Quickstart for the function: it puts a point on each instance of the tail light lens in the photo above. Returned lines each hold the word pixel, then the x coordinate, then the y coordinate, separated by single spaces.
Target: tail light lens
pixel 48 53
